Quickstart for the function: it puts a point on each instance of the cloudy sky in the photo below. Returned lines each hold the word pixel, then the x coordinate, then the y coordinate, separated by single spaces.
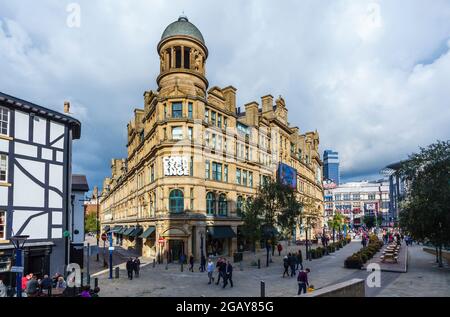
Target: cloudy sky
pixel 373 77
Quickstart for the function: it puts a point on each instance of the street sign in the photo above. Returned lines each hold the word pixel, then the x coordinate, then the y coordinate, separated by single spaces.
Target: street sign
pixel 17 269
pixel 161 240
pixel 104 237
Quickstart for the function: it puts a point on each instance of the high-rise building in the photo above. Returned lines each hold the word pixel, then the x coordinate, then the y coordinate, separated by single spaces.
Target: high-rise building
pixel 331 166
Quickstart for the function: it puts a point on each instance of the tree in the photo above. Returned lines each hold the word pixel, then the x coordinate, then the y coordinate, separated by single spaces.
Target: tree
pixel 336 223
pixel 90 223
pixel 425 214
pixel 371 221
pixel 251 216
pixel 275 205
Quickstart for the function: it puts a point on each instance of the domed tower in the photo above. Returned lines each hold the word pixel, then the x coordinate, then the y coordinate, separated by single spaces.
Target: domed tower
pixel 183 54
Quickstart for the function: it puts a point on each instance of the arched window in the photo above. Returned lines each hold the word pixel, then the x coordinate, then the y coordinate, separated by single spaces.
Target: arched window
pixel 176 201
pixel 223 205
pixel 239 205
pixel 210 203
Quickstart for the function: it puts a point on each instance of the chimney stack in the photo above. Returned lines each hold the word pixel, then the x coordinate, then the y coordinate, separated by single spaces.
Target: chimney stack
pixel 66 107
pixel 267 103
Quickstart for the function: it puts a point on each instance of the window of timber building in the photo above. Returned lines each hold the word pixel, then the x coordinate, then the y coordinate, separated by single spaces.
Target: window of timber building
pixel 176 201
pixel 2 225
pixel 223 205
pixel 4 120
pixel 210 203
pixel 177 110
pixel 3 168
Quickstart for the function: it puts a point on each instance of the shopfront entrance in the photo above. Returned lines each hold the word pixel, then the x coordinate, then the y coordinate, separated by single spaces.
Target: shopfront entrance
pixel 176 249
pixel 218 242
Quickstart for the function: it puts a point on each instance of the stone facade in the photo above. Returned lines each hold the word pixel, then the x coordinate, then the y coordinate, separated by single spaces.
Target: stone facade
pixel 194 158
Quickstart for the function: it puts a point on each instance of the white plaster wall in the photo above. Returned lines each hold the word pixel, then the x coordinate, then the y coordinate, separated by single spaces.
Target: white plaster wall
pixel 37 228
pixel 39 130
pixel 26 192
pixel 54 200
pixel 37 169
pixel 57 218
pixel 4 145
pixel 57 233
pixel 22 125
pixel 47 154
pixel 3 196
pixel 25 149
pixel 56 176
pixel 59 156
pixel 56 130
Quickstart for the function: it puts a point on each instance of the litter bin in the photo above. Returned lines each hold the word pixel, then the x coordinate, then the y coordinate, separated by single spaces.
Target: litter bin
pixel 237 257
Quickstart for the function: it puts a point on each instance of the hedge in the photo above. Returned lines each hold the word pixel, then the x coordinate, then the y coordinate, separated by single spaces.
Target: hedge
pixel 357 260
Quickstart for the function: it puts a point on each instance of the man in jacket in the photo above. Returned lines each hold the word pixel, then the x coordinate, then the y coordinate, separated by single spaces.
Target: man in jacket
pixel 136 266
pixel 46 284
pixel 302 280
pixel 32 287
pixel 220 268
pixel 130 267
pixel 228 274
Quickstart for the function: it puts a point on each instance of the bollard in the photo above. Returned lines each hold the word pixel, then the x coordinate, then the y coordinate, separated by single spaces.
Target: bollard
pixel 96 282
pixel 117 272
pixel 259 263
pixel 154 263
pixel 263 289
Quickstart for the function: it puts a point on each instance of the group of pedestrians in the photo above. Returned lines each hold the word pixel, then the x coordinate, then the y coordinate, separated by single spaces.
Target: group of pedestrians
pixel 292 261
pixel 224 270
pixel 133 266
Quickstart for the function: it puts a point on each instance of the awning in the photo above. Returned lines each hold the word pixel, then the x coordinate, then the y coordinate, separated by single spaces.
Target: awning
pixel 147 233
pixel 136 232
pixel 129 231
pixel 222 232
pixel 116 229
pixel 121 231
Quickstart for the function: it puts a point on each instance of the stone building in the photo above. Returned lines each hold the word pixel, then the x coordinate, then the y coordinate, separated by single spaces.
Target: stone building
pixel 194 158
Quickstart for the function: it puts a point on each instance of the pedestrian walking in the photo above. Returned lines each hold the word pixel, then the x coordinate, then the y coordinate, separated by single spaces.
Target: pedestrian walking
pixel 3 289
pixel 286 266
pixel 203 263
pixel 136 266
pixel 191 263
pixel 302 280
pixel 291 260
pixel 130 268
pixel 279 248
pixel 210 269
pixel 228 274
pixel 221 266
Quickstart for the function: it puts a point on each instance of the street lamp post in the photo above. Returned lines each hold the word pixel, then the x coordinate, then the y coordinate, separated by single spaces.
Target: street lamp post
pixel 19 242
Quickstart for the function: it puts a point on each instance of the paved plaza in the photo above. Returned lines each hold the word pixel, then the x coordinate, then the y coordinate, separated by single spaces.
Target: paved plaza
pixel 422 279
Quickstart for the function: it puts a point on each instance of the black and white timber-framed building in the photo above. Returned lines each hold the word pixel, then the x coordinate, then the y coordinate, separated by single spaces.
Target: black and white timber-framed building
pixel 35 184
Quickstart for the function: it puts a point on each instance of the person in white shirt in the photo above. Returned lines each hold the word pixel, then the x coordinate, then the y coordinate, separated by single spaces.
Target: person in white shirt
pixel 210 268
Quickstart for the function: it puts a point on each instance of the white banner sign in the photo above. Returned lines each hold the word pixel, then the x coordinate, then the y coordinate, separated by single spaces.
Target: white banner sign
pixel 176 166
